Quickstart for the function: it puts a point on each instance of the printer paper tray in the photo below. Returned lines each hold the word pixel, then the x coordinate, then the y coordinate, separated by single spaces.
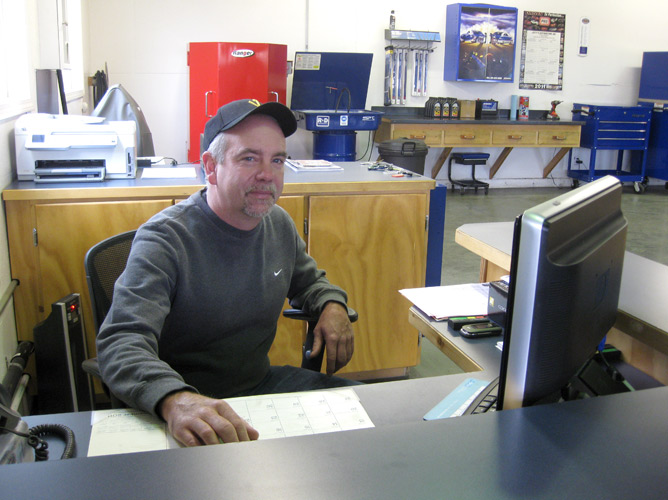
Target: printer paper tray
pixel 91 174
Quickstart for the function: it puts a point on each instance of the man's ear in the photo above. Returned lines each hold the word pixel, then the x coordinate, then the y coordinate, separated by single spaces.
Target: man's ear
pixel 209 164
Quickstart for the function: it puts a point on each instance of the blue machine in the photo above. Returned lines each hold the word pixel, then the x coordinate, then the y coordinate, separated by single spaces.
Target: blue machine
pixel 653 94
pixel 328 96
pixel 620 128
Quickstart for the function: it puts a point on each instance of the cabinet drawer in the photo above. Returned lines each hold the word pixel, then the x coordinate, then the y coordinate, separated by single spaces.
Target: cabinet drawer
pixel 431 135
pixel 515 136
pixel 559 137
pixel 466 134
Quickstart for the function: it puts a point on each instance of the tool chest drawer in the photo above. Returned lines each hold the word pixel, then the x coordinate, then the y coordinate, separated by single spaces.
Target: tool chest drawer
pixel 613 127
pixel 620 128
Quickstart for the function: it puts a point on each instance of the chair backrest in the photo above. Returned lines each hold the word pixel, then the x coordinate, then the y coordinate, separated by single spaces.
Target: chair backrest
pixel 104 263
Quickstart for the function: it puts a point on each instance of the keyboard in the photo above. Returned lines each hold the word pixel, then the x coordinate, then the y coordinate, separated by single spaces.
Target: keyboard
pixel 485 400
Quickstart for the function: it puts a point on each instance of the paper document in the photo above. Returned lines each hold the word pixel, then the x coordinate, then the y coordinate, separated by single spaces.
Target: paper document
pixel 302 413
pixel 443 302
pixel 273 415
pixel 127 431
pixel 169 173
pixel 312 166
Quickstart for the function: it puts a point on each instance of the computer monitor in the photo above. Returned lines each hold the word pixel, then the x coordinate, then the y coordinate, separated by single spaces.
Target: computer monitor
pixel 117 104
pixel 565 278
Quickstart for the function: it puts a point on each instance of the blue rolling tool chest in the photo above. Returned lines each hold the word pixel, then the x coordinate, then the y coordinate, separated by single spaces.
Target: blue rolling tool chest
pixel 620 128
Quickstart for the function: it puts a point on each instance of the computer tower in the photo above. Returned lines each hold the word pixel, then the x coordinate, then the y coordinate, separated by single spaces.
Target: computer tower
pixel 60 348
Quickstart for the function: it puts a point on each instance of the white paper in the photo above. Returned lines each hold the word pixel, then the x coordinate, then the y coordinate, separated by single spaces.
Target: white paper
pixel 273 415
pixel 127 431
pixel 443 302
pixel 169 173
pixel 302 413
pixel 312 166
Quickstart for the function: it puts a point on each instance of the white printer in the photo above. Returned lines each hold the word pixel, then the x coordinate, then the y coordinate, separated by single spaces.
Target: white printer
pixel 74 148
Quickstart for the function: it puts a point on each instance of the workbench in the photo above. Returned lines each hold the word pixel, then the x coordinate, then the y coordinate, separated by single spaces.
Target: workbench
pixel 410 123
pixel 366 229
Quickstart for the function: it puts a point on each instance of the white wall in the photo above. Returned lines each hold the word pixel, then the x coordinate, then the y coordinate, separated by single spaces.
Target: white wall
pixel 144 44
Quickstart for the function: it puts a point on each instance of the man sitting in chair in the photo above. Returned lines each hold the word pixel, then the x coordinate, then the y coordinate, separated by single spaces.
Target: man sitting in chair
pixel 195 311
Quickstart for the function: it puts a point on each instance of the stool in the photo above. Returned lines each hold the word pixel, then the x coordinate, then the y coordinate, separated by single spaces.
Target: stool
pixel 472 159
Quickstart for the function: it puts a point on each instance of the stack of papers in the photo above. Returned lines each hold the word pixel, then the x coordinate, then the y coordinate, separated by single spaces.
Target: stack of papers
pixel 312 166
pixel 443 302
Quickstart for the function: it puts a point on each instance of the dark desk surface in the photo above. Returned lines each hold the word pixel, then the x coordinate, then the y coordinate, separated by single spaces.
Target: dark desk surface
pixel 609 447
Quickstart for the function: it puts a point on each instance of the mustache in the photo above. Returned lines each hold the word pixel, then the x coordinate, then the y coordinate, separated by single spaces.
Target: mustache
pixel 270 187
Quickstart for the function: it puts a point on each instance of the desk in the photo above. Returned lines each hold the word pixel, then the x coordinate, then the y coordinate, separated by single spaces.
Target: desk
pixel 349 220
pixel 610 447
pixel 641 330
pixel 448 134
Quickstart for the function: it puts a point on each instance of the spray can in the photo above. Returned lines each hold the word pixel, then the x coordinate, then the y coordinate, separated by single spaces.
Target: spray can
pixel 523 110
pixel 392 20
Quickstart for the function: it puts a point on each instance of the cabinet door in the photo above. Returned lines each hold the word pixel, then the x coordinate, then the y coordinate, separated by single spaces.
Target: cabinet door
pixel 287 347
pixel 373 246
pixel 65 232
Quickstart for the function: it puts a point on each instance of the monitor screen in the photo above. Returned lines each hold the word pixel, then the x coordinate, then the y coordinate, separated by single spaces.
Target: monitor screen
pixel 565 278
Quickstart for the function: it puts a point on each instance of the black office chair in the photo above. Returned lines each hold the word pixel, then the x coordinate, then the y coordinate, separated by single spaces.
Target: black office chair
pixel 104 263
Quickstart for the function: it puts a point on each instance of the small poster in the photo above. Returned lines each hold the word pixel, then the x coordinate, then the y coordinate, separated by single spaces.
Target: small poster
pixel 542 57
pixel 487 43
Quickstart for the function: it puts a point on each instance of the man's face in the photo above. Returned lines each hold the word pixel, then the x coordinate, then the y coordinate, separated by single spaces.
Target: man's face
pixel 249 180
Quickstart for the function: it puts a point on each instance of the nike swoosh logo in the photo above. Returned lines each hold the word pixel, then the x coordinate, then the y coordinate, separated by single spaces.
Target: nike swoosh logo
pixel 276 273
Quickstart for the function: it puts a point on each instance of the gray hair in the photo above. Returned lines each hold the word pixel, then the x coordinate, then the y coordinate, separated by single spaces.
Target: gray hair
pixel 218 147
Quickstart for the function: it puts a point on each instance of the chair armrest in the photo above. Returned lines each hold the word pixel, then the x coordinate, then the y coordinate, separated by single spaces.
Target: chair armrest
pixel 303 315
pixel 92 367
pixel 309 362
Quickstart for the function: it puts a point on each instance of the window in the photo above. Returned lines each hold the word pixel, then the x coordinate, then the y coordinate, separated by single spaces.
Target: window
pixel 15 64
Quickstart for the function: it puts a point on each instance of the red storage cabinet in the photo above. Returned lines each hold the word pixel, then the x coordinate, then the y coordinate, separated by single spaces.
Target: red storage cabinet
pixel 221 72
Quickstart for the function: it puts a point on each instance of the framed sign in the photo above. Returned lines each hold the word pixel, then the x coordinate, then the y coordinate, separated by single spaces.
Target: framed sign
pixel 542 54
pixel 480 43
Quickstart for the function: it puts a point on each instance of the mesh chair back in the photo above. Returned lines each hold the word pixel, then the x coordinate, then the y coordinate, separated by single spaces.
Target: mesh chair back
pixel 104 263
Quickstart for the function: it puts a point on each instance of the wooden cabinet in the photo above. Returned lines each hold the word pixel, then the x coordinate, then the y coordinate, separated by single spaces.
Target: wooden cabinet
pixel 373 246
pixel 368 234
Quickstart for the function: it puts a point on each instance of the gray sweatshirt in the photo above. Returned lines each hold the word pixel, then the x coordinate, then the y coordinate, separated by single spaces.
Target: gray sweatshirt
pixel 197 305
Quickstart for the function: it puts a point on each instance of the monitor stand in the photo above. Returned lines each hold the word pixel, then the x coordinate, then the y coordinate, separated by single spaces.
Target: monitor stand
pixel 599 378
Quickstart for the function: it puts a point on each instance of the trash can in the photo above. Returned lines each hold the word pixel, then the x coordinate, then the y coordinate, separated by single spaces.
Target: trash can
pixel 405 153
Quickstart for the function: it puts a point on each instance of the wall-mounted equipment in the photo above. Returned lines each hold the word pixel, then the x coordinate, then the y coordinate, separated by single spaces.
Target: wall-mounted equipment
pixel 406 49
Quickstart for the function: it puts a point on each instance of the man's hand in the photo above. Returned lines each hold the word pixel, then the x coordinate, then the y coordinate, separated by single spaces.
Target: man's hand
pixel 334 332
pixel 194 420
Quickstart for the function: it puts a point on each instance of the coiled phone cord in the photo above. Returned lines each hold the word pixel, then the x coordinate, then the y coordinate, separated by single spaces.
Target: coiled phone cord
pixel 41 446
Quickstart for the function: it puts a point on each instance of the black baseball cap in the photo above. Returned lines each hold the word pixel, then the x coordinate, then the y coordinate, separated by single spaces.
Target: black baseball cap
pixel 234 112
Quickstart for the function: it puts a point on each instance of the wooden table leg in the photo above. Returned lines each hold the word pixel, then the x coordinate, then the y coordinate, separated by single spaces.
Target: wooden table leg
pixel 499 161
pixel 439 163
pixel 553 162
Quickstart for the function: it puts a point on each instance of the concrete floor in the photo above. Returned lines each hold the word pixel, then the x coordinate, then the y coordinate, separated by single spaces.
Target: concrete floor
pixel 647 215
